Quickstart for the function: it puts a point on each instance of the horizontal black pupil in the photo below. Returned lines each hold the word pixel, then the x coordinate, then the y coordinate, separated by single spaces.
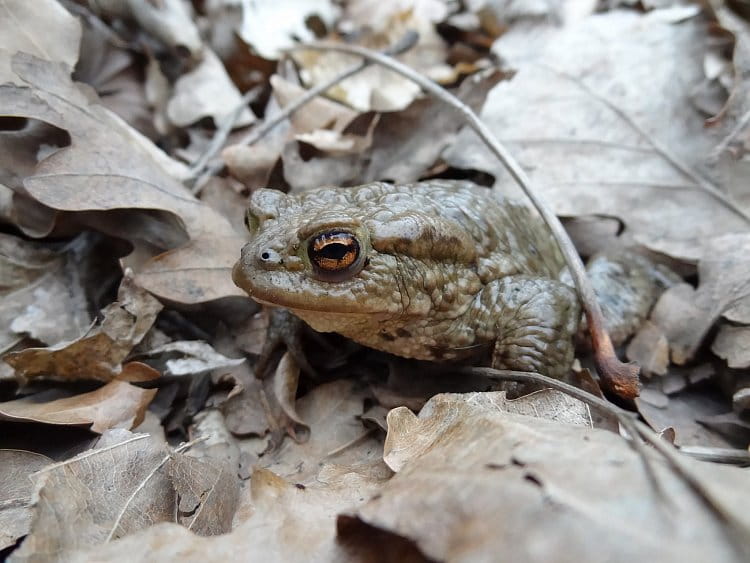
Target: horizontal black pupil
pixel 334 250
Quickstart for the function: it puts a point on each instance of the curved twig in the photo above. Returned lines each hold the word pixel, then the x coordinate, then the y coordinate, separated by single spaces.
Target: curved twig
pixel 619 377
pixel 201 173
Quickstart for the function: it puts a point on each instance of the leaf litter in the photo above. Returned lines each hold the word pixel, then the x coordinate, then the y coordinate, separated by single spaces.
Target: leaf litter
pixel 632 122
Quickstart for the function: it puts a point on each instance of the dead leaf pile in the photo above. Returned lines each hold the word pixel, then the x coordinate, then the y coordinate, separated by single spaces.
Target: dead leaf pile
pixel 132 423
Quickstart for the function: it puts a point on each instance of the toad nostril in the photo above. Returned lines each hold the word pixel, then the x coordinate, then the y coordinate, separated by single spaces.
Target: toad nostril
pixel 270 257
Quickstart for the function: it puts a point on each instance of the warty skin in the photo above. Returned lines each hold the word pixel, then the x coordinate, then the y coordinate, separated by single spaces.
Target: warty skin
pixel 440 270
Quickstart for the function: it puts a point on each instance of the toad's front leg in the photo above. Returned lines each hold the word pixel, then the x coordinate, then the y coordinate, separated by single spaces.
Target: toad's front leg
pixel 532 320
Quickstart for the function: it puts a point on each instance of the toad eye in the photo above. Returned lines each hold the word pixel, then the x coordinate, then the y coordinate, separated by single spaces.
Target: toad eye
pixel 335 255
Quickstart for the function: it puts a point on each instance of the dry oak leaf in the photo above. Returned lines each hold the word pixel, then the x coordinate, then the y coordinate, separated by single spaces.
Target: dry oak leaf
pixel 485 485
pixel 108 166
pixel 587 114
pixel 115 73
pixel 99 353
pixel 686 315
pixel 289 522
pixel 115 405
pixel 99 495
pixel 15 493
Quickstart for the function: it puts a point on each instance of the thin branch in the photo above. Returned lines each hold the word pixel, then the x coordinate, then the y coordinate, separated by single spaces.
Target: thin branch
pixel 202 176
pixel 222 133
pixel 729 456
pixel 736 130
pixel 620 378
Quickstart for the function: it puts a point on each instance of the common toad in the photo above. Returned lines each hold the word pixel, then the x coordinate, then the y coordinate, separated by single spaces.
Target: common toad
pixel 438 270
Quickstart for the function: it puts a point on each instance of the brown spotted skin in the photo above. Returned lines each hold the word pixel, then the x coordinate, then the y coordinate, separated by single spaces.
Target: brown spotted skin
pixel 448 271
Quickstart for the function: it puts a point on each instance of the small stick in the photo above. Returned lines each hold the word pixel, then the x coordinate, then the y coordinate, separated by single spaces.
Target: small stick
pixel 221 134
pixel 618 377
pixel 404 44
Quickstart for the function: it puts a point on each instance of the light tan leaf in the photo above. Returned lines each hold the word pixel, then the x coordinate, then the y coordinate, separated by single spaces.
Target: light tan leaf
pixel 15 492
pixel 488 485
pixel 190 357
pixel 545 404
pixel 320 113
pixel 99 353
pixel 206 91
pixel 197 272
pixel 99 495
pixel 336 434
pixel 376 88
pixel 733 344
pixel 650 349
pixel 271 27
pixel 582 114
pixel 377 15
pixel 115 405
pixel 404 144
pixel 114 73
pixel 42 28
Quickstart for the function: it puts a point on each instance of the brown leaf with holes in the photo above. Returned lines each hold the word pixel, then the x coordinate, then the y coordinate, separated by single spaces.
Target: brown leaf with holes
pixel 207 492
pixel 98 354
pixel 99 495
pixel 115 405
pixel 289 522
